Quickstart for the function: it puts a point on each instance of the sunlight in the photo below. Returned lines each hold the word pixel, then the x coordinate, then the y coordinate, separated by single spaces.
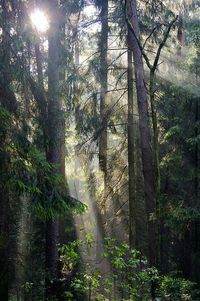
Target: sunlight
pixel 39 20
pixel 90 10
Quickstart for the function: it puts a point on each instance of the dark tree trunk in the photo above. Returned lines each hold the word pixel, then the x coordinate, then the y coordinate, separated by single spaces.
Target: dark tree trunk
pixel 180 32
pixel 54 139
pixel 145 137
pixel 8 101
pixel 103 81
pixel 131 150
pixel 196 245
pixel 39 65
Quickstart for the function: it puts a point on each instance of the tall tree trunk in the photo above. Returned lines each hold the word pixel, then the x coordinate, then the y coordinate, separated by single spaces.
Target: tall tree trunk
pixel 4 156
pixel 180 32
pixel 43 101
pixel 131 157
pixel 196 245
pixel 104 84
pixel 55 137
pixel 138 52
pixel 145 137
pixel 38 56
pixel 156 163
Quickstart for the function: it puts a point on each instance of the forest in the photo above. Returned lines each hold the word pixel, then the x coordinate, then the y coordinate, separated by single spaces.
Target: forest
pixel 99 150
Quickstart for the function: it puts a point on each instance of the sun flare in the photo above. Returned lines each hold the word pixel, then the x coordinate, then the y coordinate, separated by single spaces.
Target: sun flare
pixel 39 20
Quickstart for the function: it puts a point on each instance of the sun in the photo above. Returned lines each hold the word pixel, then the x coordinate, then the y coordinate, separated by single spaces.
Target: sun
pixel 39 20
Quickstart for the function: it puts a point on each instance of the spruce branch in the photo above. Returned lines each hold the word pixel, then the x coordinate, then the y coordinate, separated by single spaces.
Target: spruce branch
pixel 153 66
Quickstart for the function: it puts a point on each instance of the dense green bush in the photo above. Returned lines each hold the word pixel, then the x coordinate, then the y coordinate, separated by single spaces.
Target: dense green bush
pixel 129 276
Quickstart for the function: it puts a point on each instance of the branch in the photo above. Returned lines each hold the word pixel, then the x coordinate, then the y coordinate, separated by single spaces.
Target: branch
pixel 151 33
pixel 8 97
pixel 162 44
pixel 102 125
pixel 120 77
pixel 122 53
pixel 136 38
pixel 104 121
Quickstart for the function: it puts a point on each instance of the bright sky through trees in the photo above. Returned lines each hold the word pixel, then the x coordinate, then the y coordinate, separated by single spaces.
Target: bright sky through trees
pixel 39 20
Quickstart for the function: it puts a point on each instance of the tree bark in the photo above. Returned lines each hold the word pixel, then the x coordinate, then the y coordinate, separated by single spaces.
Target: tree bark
pixel 145 137
pixel 131 150
pixel 104 88
pixel 180 32
pixel 196 246
pixel 156 163
pixel 8 101
pixel 54 139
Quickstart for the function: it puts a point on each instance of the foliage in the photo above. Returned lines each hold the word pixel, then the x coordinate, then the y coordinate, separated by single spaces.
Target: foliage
pixel 129 275
pixel 27 175
pixel 34 176
pixel 175 289
pixel 31 174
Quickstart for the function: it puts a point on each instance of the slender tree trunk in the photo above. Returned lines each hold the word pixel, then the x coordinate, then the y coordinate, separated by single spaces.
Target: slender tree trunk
pixel 131 150
pixel 39 65
pixel 4 224
pixel 43 102
pixel 138 52
pixel 156 163
pixel 4 158
pixel 55 138
pixel 145 137
pixel 196 191
pixel 104 88
pixel 180 32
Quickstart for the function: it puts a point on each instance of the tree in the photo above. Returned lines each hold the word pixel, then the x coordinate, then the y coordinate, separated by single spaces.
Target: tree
pixel 104 87
pixel 131 150
pixel 54 137
pixel 145 137
pixel 57 102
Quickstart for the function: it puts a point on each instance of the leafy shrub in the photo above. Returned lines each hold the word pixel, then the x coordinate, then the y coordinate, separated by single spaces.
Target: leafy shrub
pixel 129 275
